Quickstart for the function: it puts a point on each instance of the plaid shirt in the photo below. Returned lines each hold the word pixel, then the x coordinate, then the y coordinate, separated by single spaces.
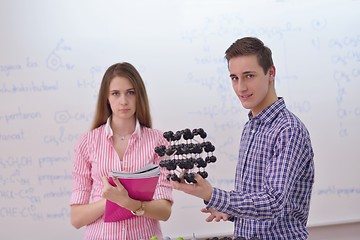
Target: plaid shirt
pixel 274 178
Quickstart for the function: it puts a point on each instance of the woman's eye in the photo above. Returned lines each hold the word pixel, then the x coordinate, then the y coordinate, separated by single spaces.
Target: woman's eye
pixel 131 93
pixel 114 93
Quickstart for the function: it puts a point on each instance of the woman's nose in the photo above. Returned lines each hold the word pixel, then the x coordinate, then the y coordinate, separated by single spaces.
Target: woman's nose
pixel 123 99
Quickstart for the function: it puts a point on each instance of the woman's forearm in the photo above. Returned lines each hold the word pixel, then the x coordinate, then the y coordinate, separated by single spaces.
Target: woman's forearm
pixel 82 215
pixel 158 209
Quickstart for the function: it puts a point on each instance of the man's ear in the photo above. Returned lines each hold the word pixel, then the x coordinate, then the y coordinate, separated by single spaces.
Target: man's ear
pixel 272 71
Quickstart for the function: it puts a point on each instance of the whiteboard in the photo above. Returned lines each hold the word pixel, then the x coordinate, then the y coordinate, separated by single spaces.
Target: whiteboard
pixel 53 55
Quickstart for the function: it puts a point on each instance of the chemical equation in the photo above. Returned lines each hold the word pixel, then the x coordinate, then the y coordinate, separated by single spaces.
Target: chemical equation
pixel 55 61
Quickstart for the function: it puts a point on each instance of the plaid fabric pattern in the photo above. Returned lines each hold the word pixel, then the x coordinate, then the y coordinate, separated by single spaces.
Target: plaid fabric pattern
pixel 274 178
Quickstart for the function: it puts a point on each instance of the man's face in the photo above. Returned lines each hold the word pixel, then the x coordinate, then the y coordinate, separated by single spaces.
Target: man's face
pixel 250 83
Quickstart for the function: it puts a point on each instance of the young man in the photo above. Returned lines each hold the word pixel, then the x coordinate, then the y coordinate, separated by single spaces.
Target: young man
pixel 275 169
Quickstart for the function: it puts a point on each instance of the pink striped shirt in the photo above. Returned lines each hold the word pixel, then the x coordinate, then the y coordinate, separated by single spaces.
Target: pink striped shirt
pixel 95 157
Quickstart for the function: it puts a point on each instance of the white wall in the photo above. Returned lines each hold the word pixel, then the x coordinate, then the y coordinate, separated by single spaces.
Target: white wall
pixel 350 231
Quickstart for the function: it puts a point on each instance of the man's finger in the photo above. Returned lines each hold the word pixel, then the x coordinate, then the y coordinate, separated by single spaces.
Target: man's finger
pixel 198 178
pixel 205 210
pixel 210 218
pixel 218 218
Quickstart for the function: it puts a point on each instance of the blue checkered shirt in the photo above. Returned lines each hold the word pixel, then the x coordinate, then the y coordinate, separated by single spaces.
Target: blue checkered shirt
pixel 274 178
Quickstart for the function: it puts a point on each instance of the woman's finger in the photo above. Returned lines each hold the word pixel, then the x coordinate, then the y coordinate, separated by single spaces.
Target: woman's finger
pixel 118 184
pixel 105 181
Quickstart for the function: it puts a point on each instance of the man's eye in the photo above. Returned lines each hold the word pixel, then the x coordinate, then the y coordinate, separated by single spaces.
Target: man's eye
pixel 234 78
pixel 249 75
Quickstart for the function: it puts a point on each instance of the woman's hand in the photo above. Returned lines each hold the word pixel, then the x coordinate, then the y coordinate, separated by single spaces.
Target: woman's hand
pixel 117 194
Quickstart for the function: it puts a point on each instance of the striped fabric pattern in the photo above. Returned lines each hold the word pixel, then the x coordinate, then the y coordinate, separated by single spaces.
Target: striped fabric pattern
pixel 95 157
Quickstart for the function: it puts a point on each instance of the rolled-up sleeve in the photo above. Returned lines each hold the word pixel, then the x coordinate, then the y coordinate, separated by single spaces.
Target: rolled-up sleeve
pixel 164 189
pixel 81 174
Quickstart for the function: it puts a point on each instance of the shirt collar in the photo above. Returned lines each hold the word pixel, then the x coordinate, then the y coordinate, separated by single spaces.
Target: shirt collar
pixel 109 132
pixel 269 113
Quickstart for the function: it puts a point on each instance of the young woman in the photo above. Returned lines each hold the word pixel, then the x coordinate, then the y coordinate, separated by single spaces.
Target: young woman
pixel 121 139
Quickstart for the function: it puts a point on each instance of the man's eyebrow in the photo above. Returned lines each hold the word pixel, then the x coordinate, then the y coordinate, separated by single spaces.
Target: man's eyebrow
pixel 248 72
pixel 244 73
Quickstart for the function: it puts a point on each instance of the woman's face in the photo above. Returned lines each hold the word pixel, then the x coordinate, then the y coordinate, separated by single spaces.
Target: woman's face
pixel 122 98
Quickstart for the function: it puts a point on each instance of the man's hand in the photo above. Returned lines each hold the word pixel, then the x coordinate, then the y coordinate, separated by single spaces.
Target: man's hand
pixel 201 189
pixel 215 215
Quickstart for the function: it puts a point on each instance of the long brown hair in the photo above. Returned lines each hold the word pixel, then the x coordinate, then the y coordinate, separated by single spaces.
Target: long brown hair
pixel 103 110
pixel 251 46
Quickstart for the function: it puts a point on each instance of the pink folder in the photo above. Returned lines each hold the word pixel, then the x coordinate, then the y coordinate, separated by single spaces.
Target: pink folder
pixel 138 188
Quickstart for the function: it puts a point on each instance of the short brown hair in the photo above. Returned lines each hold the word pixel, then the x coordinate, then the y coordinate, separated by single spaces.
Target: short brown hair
pixel 251 46
pixel 103 109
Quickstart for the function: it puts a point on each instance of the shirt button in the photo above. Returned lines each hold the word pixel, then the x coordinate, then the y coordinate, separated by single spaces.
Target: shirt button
pixel 253 131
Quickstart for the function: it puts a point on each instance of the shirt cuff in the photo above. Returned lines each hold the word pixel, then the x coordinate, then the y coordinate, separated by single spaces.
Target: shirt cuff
pixel 218 199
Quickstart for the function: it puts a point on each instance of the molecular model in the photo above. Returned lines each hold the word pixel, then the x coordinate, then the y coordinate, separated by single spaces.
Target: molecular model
pixel 187 153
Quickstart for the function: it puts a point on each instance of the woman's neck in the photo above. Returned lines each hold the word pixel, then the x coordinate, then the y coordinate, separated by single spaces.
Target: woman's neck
pixel 123 127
